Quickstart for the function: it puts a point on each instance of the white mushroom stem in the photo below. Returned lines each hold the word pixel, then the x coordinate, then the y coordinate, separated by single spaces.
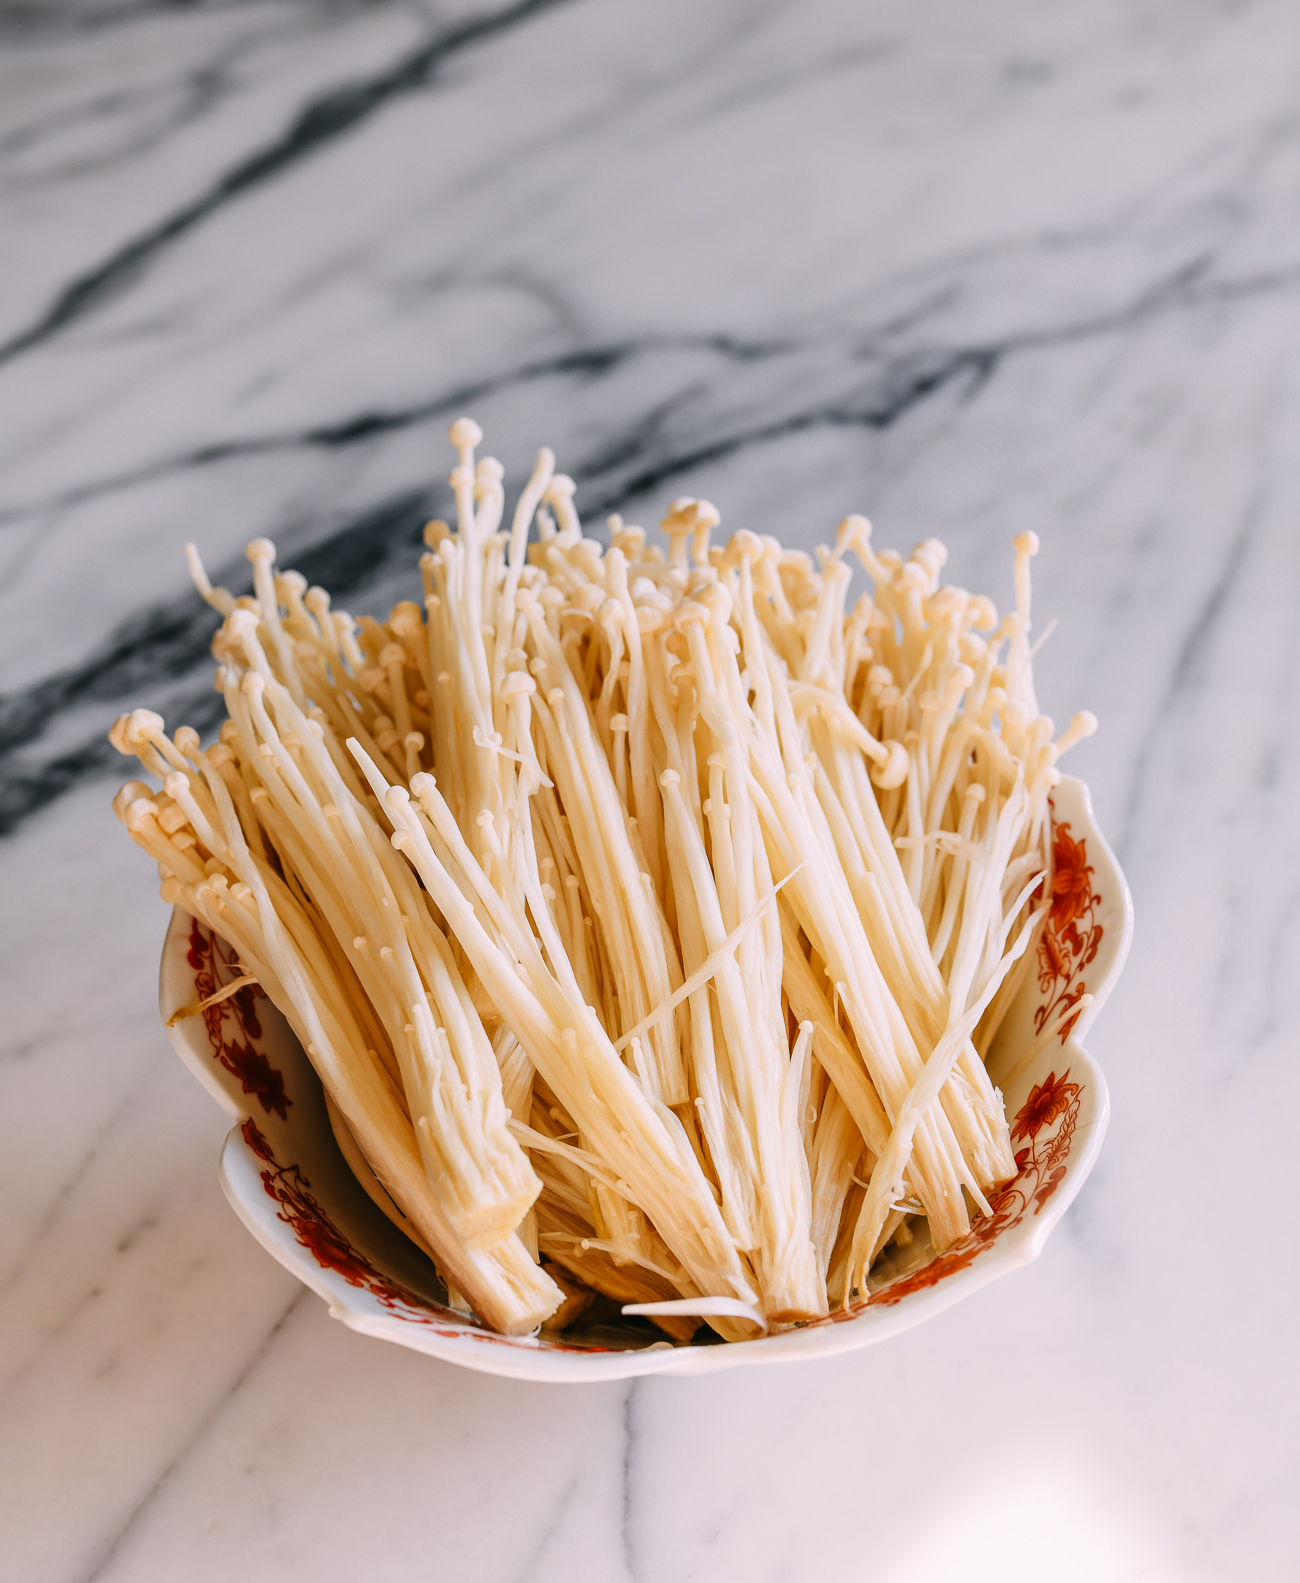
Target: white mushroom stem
pixel 644 911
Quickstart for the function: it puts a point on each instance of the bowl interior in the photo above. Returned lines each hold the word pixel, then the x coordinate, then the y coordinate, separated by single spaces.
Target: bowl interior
pixel 288 1181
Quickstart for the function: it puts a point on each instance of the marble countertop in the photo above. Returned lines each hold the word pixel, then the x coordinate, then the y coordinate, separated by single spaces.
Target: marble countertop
pixel 967 270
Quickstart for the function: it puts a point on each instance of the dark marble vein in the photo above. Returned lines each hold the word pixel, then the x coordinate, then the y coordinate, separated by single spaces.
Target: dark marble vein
pixel 358 429
pixel 151 661
pixel 144 659
pixel 156 655
pixel 39 19
pixel 327 118
pixel 198 91
pixel 627 1514
pixel 893 383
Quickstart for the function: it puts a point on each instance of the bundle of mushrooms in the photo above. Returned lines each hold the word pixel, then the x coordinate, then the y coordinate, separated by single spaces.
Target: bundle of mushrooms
pixel 646 916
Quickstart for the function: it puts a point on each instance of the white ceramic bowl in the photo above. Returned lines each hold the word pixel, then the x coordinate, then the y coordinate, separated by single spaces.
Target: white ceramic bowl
pixel 288 1182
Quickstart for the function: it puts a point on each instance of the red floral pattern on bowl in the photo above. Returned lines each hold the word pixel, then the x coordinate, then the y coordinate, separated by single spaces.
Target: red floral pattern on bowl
pixel 285 1177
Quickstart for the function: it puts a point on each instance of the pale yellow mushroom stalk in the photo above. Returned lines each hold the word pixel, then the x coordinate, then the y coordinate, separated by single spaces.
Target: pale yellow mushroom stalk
pixel 619 1117
pixel 239 897
pixel 648 912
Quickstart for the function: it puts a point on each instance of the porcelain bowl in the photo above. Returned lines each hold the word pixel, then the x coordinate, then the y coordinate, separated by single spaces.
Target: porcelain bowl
pixel 287 1180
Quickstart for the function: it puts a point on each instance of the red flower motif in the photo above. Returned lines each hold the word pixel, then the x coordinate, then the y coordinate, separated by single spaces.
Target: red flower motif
pixel 255 1140
pixel 297 1206
pixel 1071 935
pixel 245 1002
pixel 1065 1002
pixel 1040 1170
pixel 1053 963
pixel 214 964
pixel 326 1243
pixel 1050 1099
pixel 1049 1187
pixel 256 1076
pixel 1071 880
pixel 330 1246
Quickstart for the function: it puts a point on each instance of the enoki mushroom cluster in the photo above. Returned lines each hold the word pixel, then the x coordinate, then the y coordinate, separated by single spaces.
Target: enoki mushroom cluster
pixel 646 913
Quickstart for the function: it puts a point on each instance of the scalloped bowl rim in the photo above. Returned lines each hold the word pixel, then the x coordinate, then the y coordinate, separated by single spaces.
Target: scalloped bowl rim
pixel 457 1340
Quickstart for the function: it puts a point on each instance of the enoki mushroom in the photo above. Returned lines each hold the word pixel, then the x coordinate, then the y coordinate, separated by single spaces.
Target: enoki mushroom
pixel 647 915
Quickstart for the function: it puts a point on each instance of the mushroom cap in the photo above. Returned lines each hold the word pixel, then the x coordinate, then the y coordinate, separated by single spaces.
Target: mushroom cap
pixel 894 770
pixel 465 434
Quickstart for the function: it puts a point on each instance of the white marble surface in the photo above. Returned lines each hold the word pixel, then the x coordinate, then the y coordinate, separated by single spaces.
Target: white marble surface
pixel 968 269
